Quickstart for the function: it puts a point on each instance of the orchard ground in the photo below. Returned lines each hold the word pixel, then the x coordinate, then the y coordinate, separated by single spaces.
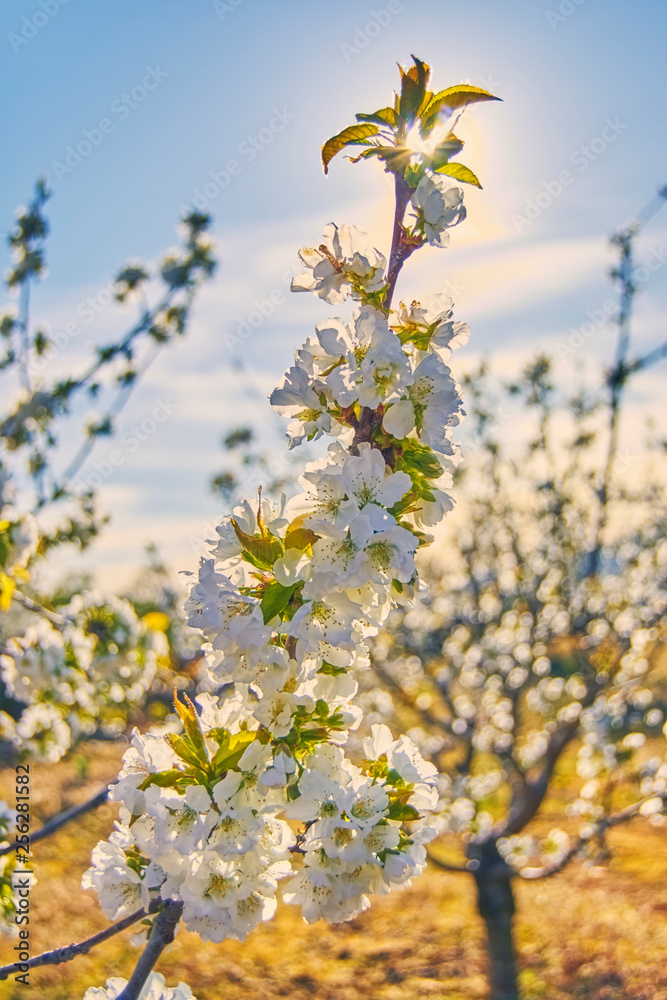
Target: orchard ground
pixel 588 934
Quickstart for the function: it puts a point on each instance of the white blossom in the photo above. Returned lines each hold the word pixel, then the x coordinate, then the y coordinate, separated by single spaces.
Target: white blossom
pixel 343 262
pixel 439 206
pixel 154 988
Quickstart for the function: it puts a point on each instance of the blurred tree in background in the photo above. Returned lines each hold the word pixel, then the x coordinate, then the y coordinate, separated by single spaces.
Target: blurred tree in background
pixel 534 670
pixel 81 661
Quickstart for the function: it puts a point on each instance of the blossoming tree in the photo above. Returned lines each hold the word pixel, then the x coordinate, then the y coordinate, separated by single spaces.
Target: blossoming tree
pixel 73 662
pixel 256 786
pixel 532 673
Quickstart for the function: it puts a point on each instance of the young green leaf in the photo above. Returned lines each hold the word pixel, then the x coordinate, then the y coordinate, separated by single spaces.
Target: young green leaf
pixel 184 749
pixel 274 600
pixel 385 116
pixel 166 779
pixel 459 173
pixel 232 747
pixel 190 720
pixel 300 538
pixel 450 146
pixel 353 135
pixel 404 813
pixel 459 96
pixel 413 89
pixel 264 551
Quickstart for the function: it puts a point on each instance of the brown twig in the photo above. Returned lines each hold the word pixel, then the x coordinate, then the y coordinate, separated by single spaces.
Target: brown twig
pixel 71 951
pixel 630 812
pixel 57 821
pixel 162 934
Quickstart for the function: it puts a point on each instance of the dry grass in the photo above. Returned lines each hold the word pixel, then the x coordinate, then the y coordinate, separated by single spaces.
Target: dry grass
pixel 589 934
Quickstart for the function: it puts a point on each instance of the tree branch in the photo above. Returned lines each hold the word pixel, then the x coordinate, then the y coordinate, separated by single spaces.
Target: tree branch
pixel 446 867
pixel 657 354
pixel 162 934
pixel 400 251
pixel 31 605
pixel 529 803
pixel 71 951
pixel 630 812
pixel 57 821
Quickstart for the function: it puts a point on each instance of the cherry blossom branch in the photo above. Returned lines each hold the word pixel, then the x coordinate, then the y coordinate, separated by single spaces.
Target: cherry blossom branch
pixel 64 817
pixel 70 951
pixel 630 812
pixel 529 803
pixel 162 934
pixel 399 250
pixel 31 605
pixel 618 376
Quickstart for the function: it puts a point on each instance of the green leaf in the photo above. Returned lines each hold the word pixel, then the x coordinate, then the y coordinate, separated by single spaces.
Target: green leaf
pixel 300 538
pixel 450 146
pixel 459 96
pixel 419 458
pixel 263 550
pixel 166 779
pixel 328 668
pixel 232 747
pixel 184 749
pixel 413 174
pixel 274 600
pixel 404 813
pixel 190 720
pixel 353 135
pixel 459 173
pixel 413 89
pixel 385 116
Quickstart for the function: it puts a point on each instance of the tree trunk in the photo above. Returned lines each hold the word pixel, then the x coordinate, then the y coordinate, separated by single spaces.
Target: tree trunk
pixel 495 901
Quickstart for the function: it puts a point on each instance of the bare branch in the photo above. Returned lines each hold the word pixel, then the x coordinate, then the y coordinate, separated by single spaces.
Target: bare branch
pixel 71 951
pixel 446 867
pixel 57 821
pixel 657 354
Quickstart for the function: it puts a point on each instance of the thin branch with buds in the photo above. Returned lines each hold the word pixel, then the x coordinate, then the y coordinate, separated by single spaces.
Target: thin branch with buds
pixel 56 620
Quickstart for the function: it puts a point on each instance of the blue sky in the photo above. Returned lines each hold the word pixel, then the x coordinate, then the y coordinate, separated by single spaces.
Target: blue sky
pixel 584 90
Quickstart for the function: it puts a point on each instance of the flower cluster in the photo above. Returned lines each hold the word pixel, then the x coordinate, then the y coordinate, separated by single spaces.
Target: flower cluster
pixel 257 787
pixel 216 833
pixel 518 654
pixel 78 676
